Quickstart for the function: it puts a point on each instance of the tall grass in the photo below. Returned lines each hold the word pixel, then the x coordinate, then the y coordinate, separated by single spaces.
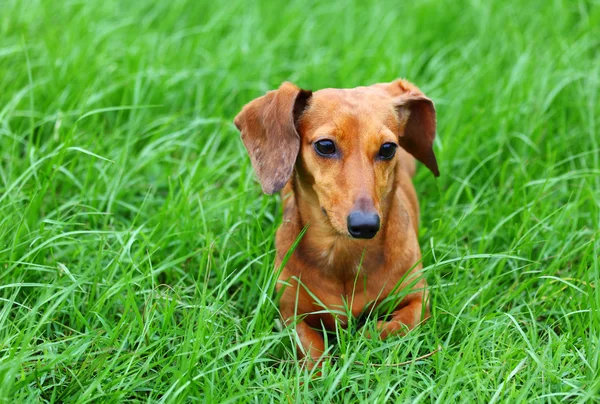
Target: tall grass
pixel 136 249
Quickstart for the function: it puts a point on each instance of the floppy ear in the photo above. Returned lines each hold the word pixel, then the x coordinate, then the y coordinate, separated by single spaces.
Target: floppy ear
pixel 417 114
pixel 268 127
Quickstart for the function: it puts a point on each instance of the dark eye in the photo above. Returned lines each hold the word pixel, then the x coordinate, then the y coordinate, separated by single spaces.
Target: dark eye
pixel 387 151
pixel 325 148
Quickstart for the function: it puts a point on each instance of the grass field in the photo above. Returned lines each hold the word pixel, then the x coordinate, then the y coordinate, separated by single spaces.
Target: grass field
pixel 136 248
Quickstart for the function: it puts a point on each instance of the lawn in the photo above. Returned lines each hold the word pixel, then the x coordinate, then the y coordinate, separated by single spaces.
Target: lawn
pixel 137 250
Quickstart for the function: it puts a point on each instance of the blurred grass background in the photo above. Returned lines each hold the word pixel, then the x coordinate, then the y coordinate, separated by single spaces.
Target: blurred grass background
pixel 136 248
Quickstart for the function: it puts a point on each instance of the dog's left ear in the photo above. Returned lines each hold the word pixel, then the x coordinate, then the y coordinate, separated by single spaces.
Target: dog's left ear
pixel 268 127
pixel 417 114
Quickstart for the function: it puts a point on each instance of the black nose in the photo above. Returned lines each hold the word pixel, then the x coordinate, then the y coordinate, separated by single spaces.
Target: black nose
pixel 363 224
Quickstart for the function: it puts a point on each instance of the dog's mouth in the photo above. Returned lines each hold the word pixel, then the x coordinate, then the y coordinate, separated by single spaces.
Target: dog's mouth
pixel 364 235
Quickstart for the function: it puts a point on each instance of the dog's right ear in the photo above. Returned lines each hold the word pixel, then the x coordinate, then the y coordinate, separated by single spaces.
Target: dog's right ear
pixel 268 127
pixel 417 114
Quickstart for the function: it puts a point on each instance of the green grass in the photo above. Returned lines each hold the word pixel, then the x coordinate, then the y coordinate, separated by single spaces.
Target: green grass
pixel 136 249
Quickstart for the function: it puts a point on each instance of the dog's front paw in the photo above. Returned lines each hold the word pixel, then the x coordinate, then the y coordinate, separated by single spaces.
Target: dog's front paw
pixel 384 329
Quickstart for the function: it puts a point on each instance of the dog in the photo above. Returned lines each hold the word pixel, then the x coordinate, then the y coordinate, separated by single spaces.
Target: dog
pixel 343 160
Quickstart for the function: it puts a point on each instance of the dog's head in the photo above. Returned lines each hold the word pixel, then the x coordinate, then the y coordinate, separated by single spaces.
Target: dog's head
pixel 343 144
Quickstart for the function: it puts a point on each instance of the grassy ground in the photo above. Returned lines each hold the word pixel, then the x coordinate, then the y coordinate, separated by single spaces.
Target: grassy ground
pixel 136 248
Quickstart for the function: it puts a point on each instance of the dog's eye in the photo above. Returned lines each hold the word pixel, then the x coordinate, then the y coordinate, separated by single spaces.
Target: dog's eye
pixel 387 151
pixel 325 147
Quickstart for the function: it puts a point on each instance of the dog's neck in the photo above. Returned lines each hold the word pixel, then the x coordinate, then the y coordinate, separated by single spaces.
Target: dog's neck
pixel 322 246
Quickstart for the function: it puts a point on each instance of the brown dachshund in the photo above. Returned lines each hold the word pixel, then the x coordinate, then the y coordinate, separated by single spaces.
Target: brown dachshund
pixel 342 158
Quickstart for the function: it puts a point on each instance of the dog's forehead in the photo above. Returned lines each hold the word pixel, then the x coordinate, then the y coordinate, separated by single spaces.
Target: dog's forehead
pixel 355 107
pixel 358 98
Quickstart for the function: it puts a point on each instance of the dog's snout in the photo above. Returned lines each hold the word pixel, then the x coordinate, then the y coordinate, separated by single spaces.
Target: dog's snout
pixel 363 224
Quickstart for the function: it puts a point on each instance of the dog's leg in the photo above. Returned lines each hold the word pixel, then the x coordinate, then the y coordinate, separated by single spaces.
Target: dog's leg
pixel 312 344
pixel 405 318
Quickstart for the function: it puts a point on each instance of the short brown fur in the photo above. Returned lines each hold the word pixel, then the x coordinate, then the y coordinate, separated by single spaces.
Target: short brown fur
pixel 329 269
